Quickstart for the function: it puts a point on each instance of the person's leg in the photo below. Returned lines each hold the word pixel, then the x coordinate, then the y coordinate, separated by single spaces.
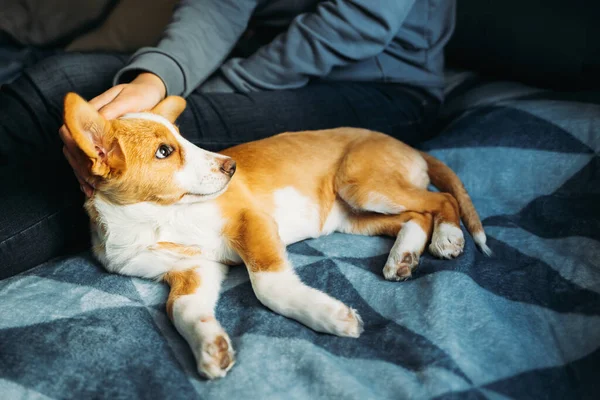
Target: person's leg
pixel 217 121
pixel 41 208
pixel 41 214
pixel 31 106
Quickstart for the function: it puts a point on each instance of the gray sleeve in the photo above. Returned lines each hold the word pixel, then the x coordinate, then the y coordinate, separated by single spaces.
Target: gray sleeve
pixel 338 33
pixel 194 44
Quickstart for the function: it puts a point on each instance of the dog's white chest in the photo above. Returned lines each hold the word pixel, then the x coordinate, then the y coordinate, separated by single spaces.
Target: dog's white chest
pixel 137 229
pixel 195 225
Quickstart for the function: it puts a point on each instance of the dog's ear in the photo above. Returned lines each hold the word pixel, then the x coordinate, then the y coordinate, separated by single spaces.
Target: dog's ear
pixel 90 131
pixel 170 108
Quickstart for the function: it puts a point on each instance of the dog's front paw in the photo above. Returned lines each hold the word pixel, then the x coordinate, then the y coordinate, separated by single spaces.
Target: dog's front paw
pixel 447 242
pixel 215 357
pixel 399 267
pixel 343 321
pixel 350 323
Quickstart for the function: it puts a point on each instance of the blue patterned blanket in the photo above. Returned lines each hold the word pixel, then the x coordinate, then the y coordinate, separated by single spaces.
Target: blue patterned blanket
pixel 522 324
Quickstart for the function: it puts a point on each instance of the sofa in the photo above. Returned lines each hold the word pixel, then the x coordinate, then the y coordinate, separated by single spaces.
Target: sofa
pixel 524 323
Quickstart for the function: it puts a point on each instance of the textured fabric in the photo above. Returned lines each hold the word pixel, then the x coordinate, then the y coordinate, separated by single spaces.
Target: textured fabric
pixel 41 202
pixel 342 40
pixel 14 58
pixel 522 324
pixel 50 22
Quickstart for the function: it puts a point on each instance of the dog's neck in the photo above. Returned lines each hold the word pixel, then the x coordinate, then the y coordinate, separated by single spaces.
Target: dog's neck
pixel 146 212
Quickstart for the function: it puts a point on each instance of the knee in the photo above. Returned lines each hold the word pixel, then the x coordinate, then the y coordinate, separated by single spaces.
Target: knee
pixel 87 74
pixel 450 199
pixel 425 220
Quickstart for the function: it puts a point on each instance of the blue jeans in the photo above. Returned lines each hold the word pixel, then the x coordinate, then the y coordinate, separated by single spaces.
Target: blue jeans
pixel 41 213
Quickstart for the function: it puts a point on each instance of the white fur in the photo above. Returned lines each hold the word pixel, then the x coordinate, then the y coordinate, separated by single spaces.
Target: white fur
pixel 379 203
pixel 129 234
pixel 284 293
pixel 447 241
pixel 130 231
pixel 194 318
pixel 337 220
pixel 480 239
pixel 418 174
pixel 297 216
pixel 411 239
pixel 200 173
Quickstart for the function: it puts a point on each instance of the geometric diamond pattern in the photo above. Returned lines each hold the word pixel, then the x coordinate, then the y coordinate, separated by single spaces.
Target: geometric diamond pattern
pixel 522 324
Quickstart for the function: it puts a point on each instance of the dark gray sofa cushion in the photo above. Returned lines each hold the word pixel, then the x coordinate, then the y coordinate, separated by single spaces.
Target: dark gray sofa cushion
pixel 550 43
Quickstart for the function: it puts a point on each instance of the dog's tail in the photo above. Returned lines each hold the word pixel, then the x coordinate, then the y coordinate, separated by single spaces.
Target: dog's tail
pixel 446 180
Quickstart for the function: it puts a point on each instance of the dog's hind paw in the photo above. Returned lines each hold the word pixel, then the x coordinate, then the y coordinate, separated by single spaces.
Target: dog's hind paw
pixel 216 357
pixel 447 241
pixel 400 267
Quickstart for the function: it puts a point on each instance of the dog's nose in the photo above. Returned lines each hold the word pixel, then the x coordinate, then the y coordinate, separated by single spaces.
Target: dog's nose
pixel 228 167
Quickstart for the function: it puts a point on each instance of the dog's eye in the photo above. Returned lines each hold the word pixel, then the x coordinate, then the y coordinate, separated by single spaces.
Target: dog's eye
pixel 163 151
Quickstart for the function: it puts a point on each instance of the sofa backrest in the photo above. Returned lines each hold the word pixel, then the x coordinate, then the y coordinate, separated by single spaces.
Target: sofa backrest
pixel 549 43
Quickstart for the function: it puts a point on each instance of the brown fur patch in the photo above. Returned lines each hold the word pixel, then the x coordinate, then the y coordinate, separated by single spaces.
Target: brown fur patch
pixel 342 164
pixel 170 108
pixel 389 225
pixel 254 236
pixel 401 194
pixel 146 177
pixel 292 159
pixel 182 283
pixel 177 248
pixel 446 180
pixel 123 152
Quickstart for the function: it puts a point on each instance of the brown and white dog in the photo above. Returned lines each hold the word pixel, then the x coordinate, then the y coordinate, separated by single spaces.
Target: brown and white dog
pixel 165 209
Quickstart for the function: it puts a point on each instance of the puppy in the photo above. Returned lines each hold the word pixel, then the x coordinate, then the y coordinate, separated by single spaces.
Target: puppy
pixel 165 209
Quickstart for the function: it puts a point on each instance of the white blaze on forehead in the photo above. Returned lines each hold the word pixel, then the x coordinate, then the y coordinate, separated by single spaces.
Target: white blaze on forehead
pixel 198 174
pixel 153 117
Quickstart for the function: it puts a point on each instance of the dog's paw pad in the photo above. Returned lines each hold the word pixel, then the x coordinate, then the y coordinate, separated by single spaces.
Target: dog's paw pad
pixel 217 358
pixel 447 242
pixel 399 268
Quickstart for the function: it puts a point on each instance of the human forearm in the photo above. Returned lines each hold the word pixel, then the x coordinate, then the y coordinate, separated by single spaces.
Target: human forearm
pixel 194 44
pixel 338 33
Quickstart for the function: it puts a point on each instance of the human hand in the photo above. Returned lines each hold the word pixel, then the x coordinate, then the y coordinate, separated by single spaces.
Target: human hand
pixel 143 93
